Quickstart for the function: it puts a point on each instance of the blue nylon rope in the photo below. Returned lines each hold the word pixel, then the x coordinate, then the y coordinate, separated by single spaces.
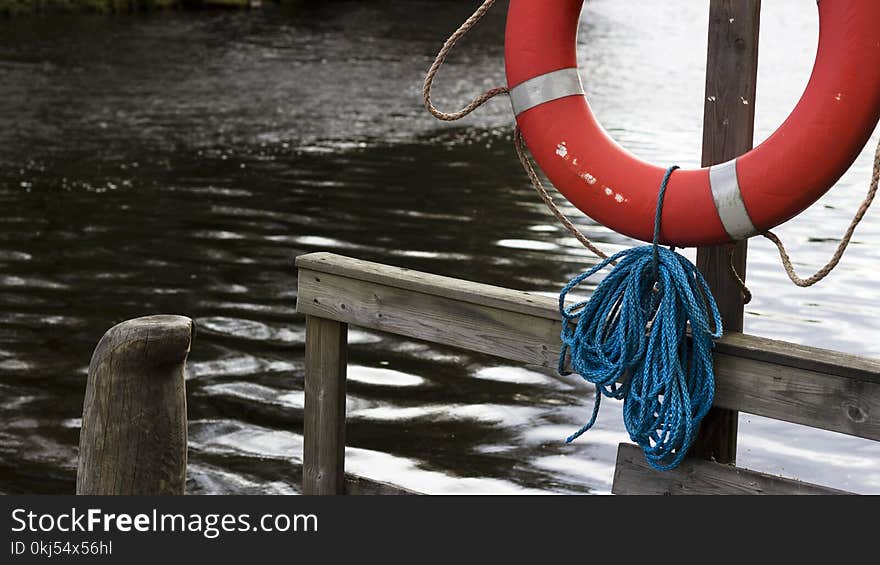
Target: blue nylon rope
pixel 630 340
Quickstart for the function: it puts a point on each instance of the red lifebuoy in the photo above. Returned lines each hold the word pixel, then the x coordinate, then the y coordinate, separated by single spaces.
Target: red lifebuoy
pixel 809 152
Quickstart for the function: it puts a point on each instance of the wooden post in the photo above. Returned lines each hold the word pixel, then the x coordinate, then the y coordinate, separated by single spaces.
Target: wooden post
pixel 133 437
pixel 728 131
pixel 324 420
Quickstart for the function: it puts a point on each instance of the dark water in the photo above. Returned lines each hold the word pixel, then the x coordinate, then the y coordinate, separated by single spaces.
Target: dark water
pixel 178 163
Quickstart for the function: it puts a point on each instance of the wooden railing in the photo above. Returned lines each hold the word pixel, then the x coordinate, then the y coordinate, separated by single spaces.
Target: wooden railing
pixel 805 385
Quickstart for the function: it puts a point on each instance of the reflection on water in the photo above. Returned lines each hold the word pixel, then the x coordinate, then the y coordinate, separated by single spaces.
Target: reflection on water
pixel 177 163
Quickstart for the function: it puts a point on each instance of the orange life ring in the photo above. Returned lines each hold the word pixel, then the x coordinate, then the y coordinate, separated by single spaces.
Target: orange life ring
pixel 770 184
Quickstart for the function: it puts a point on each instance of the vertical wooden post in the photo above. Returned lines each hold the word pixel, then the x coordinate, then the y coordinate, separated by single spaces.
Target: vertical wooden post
pixel 133 437
pixel 728 131
pixel 324 421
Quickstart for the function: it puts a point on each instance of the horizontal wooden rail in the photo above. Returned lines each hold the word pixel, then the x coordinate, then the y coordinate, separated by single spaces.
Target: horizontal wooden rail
pixel 633 475
pixel 784 381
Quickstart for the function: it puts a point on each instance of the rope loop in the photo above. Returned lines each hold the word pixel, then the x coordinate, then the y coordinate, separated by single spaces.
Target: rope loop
pixel 844 242
pixel 441 58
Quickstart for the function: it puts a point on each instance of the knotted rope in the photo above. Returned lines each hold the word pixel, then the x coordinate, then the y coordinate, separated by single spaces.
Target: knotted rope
pixel 630 340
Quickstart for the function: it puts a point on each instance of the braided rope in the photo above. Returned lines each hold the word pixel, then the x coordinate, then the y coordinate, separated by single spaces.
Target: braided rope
pixel 743 288
pixel 548 200
pixel 844 243
pixel 630 340
pixel 521 151
pixel 441 58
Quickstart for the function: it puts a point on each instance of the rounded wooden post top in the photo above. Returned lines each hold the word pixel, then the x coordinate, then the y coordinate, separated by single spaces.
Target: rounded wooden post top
pixel 167 338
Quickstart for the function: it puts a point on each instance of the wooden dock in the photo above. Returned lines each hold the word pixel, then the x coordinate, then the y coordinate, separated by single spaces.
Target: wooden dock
pixel 133 438
pixel 779 380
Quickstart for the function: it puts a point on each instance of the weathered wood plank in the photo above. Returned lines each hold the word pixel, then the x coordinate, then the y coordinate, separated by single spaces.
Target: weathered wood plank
pixel 324 414
pixel 739 345
pixel 447 321
pixel 133 436
pixel 385 276
pixel 799 384
pixel 830 402
pixel 731 79
pixel 632 475
pixel 728 132
pixel 361 486
pixel 457 289
pixel 798 356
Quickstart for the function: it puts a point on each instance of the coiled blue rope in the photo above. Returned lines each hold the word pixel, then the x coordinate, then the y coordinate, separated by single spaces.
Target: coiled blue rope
pixel 630 340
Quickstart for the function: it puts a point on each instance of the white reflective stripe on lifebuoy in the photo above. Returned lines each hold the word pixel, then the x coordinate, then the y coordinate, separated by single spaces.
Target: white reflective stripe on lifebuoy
pixel 545 88
pixel 729 203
